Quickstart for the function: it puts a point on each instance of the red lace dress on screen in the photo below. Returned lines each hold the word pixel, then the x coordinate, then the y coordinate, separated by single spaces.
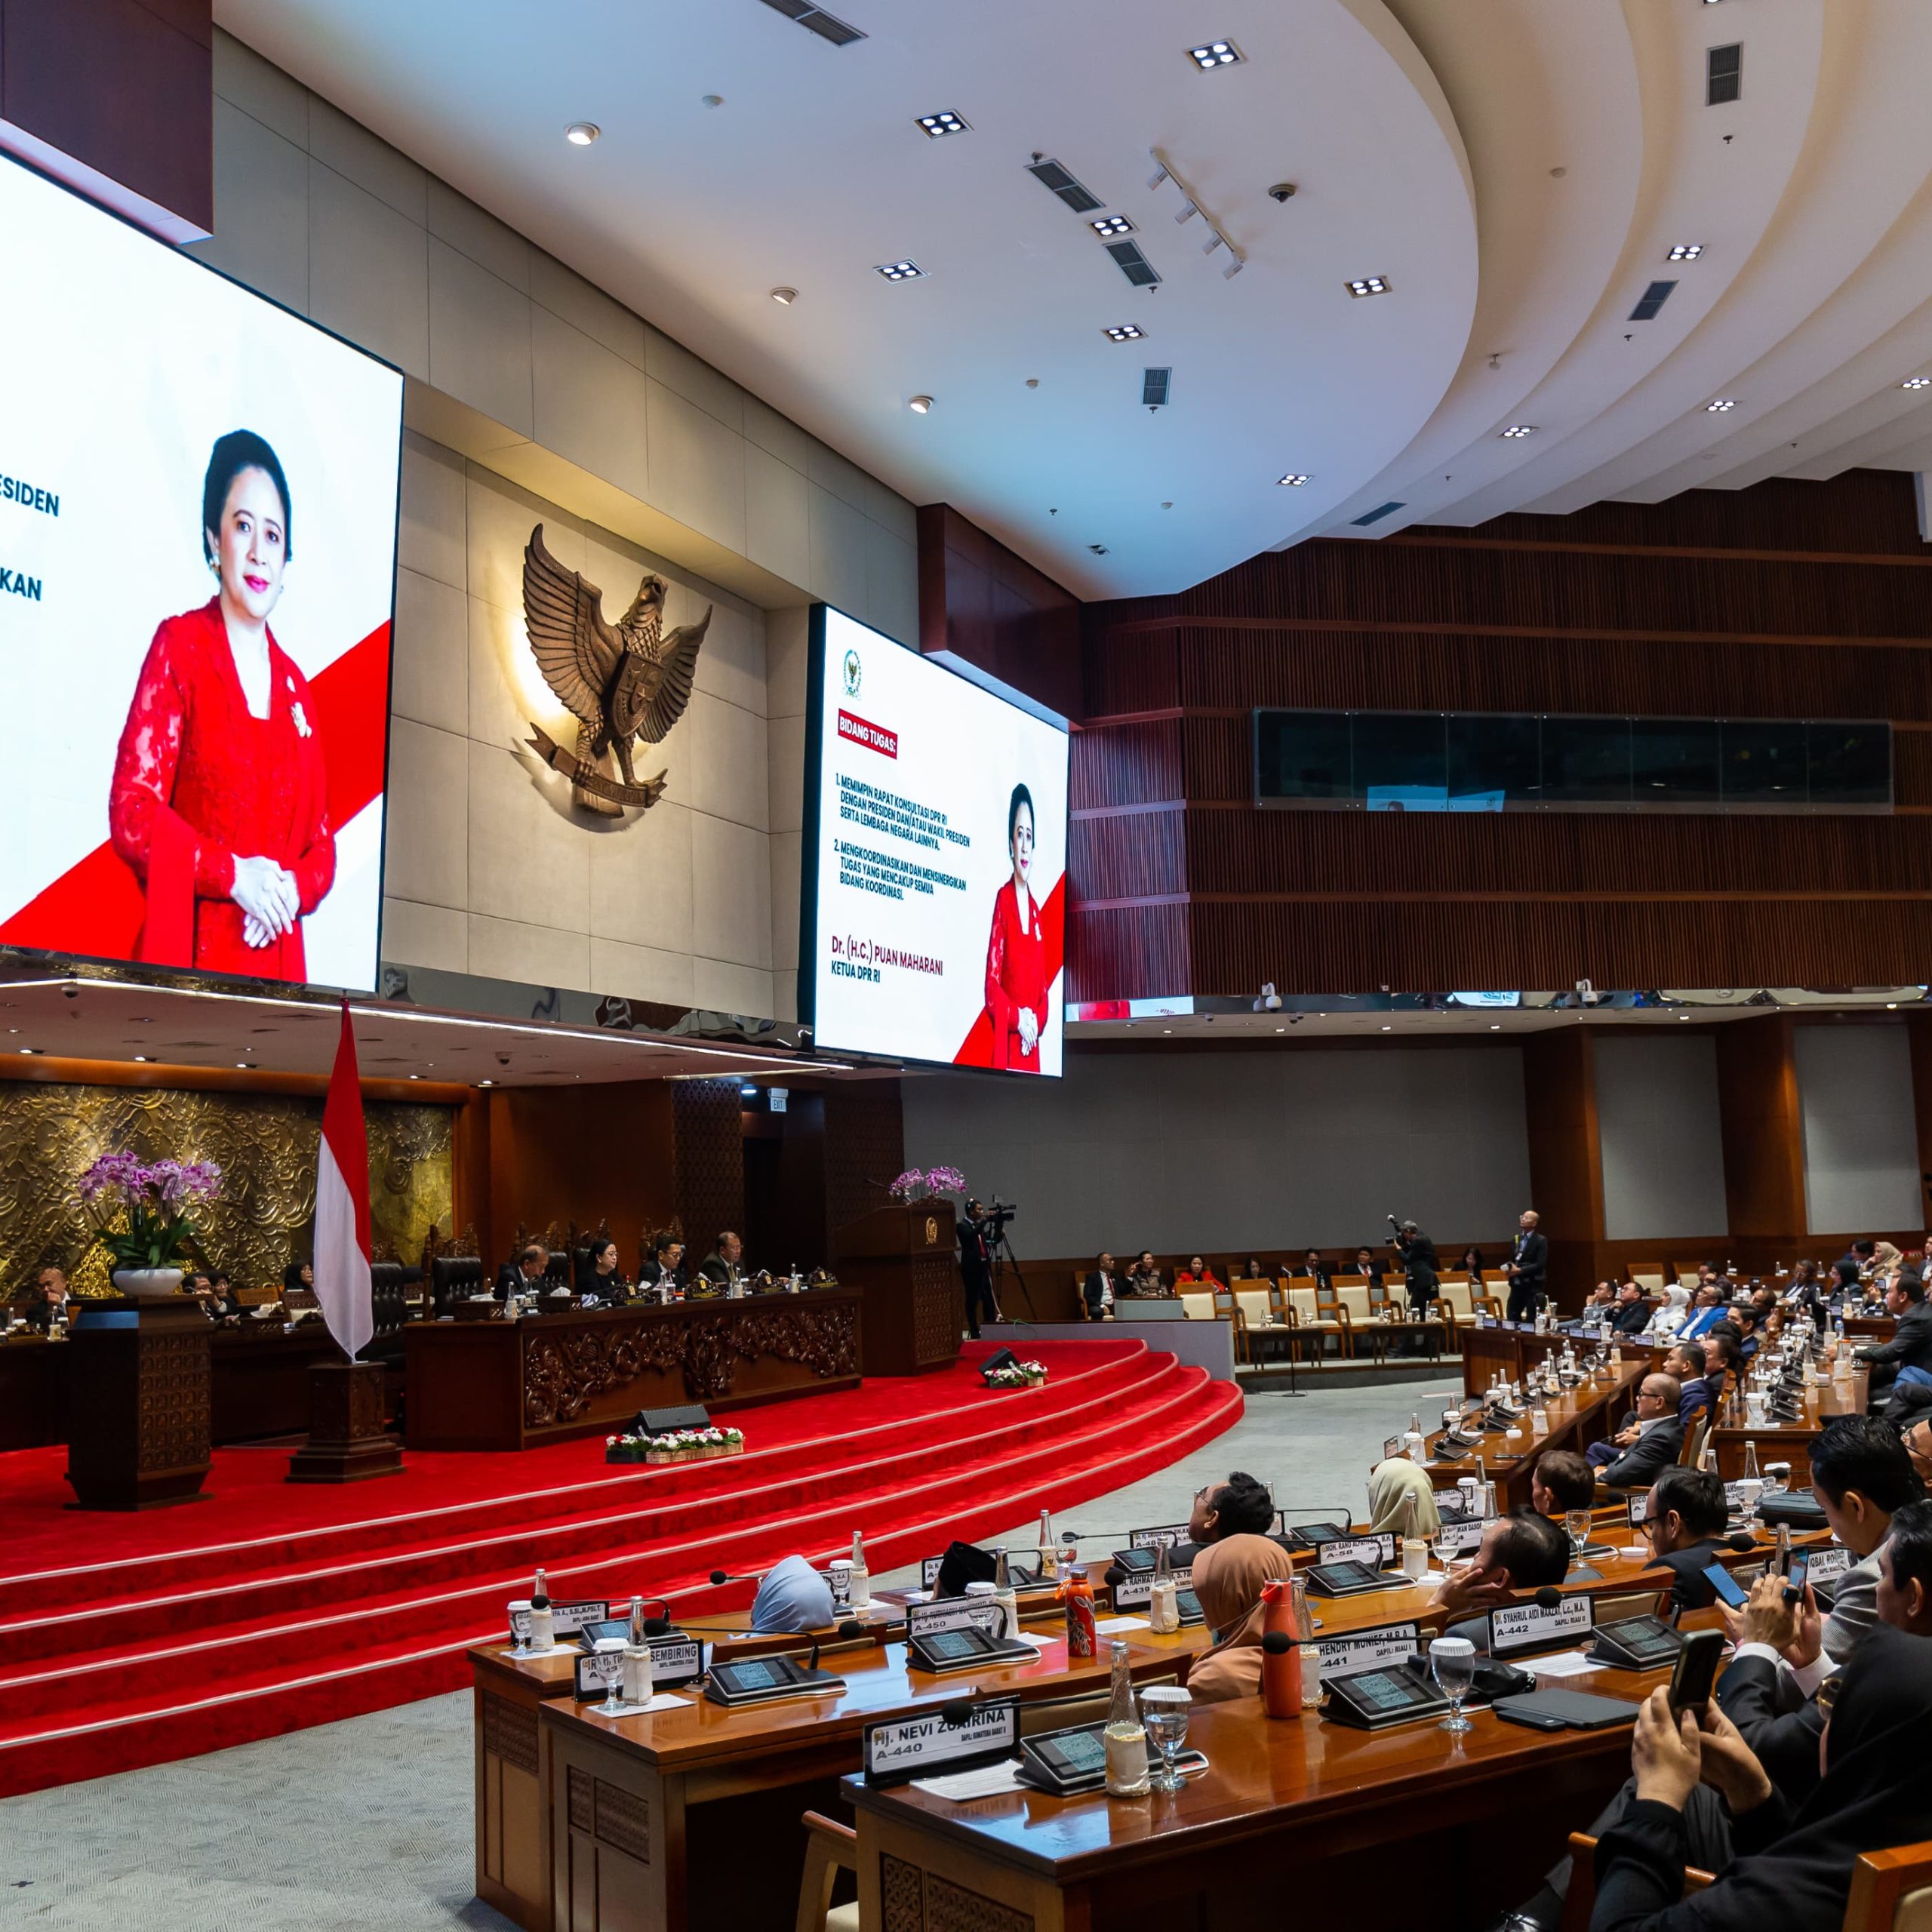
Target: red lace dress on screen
pixel 199 780
pixel 1016 977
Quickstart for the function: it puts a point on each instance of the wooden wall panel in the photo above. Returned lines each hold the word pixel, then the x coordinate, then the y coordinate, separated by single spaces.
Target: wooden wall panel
pixel 1141 854
pixel 708 1161
pixel 1788 600
pixel 1566 1159
pixel 1763 1127
pixel 865 1148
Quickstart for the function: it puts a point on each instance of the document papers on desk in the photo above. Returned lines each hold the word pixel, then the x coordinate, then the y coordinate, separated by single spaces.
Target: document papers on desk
pixel 1564 1663
pixel 988 1781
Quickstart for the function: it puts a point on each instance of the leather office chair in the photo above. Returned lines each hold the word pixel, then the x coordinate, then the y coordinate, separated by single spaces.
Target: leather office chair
pixel 452 1278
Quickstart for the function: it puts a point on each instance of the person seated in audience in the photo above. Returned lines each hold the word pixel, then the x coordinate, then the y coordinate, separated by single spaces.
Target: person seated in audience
pixel 1720 1361
pixel 1860 1475
pixel 1648 1444
pixel 1632 1317
pixel 51 1299
pixel 1561 1481
pixel 1228 1577
pixel 1472 1265
pixel 1670 1314
pixel 1807 1290
pixel 299 1277
pixel 1368 1267
pixel 1683 1521
pixel 1917 1438
pixel 1685 1361
pixel 1402 1498
pixel 1521 1551
pixel 1317 1270
pixel 1256 1270
pixel 524 1276
pixel 1742 1320
pixel 718 1273
pixel 1706 1311
pixel 1239 1507
pixel 1098 1290
pixel 1196 1274
pixel 603 1278
pixel 1902 1367
pixel 1850 1265
pixel 793 1596
pixel 664 1273
pixel 1600 1304
pixel 1144 1277
pixel 219 1302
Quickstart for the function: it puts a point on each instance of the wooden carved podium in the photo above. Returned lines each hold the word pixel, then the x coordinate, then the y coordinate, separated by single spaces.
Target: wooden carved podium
pixel 138 1419
pixel 903 1258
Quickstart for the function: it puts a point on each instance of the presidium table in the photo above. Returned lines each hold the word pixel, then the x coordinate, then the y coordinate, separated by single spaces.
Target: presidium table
pixel 494 1383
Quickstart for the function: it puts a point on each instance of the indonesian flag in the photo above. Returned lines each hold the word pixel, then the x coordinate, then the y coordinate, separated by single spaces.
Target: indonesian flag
pixel 342 1204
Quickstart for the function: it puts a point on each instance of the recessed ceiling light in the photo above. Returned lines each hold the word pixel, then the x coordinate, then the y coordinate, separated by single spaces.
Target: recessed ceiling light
pixel 581 133
pixel 784 297
pixel 29 1050
pixel 944 123
pixel 416 1076
pixel 1684 1016
pixel 144 1057
pixel 1215 54
pixel 1110 224
pixel 1917 383
pixel 919 405
pixel 1386 1029
pixel 1133 332
pixel 486 1083
pixel 1719 407
pixel 1369 284
pixel 242 1067
pixel 1685 251
pixel 1496 1026
pixel 1517 430
pixel 899 271
pixel 1891 1006
pixel 1292 481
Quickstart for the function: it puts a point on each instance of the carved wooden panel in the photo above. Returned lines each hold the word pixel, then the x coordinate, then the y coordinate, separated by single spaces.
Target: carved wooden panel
pixel 509 1732
pixel 581 1791
pixel 171 1401
pixel 913 1900
pixel 622 1819
pixel 939 1308
pixel 902 1896
pixel 709 1157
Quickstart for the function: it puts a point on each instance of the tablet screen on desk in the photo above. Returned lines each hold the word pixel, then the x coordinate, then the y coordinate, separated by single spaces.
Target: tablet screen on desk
pixel 948 1646
pixel 1076 1755
pixel 755 1676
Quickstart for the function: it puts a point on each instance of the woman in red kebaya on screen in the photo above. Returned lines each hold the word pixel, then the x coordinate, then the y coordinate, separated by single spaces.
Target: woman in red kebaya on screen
pixel 1016 954
pixel 219 801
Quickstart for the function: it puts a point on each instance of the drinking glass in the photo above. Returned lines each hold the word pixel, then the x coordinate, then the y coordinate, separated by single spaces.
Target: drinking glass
pixel 1164 1710
pixel 1577 1522
pixel 1452 1662
pixel 520 1630
pixel 613 1706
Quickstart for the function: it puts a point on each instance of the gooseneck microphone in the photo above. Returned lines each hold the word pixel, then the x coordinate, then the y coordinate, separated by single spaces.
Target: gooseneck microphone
pixel 1549 1597
pixel 721 1577
pixel 1277 1643
pixel 850 1627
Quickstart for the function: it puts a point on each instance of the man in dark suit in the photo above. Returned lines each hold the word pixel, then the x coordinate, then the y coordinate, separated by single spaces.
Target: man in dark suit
pixel 1685 1361
pixel 524 1276
pixel 1911 1345
pixel 663 1274
pixel 1632 1317
pixel 1522 1551
pixel 1317 1270
pixel 51 1301
pixel 976 1269
pixel 1417 1253
pixel 1684 1519
pixel 1528 1264
pixel 718 1273
pixel 1098 1290
pixel 1650 1443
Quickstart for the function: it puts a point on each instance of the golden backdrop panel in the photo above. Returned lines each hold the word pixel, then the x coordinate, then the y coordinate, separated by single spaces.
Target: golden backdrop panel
pixel 265 1146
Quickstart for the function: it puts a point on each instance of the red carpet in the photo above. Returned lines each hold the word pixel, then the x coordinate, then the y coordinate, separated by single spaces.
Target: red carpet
pixel 130 1639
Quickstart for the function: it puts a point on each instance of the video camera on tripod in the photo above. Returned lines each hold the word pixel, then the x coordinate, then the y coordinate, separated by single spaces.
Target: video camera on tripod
pixel 995 1216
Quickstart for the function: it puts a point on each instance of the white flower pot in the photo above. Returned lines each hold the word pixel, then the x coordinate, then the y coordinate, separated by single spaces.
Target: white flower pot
pixel 147 1284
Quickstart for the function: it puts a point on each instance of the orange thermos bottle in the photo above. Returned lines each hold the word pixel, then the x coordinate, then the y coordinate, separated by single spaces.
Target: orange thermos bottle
pixel 1281 1655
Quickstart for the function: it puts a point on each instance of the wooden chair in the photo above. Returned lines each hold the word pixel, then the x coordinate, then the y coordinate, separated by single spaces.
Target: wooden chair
pixel 1891 1891
pixel 830 1847
pixel 1255 1322
pixel 1693 1440
pixel 1305 1311
pixel 1648 1276
pixel 1358 1314
pixel 1196 1307
pixel 1580 1900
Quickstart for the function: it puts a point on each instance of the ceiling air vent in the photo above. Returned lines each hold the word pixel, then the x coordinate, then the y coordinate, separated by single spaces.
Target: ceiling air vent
pixel 1154 386
pixel 1133 264
pixel 1724 75
pixel 827 27
pixel 1376 514
pixel 1653 298
pixel 1055 179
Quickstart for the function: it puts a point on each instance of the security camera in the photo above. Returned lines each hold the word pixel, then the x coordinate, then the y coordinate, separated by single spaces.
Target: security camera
pixel 502 1059
pixel 1282 191
pixel 70 992
pixel 1587 993
pixel 1269 1000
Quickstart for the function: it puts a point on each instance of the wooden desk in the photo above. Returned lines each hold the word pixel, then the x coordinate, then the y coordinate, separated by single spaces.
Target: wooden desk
pixel 33 1377
pixel 1788 1441
pixel 508 1385
pixel 688 1819
pixel 1515 1350
pixel 1296 1801
pixel 512 1767
pixel 1587 1414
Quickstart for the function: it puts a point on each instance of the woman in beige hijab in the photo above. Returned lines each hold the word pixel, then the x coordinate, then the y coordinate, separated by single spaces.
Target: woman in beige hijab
pixel 1228 1577
pixel 1402 1498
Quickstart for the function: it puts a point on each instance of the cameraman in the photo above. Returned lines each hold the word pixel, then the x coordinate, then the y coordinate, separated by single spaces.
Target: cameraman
pixel 1417 1253
pixel 976 1240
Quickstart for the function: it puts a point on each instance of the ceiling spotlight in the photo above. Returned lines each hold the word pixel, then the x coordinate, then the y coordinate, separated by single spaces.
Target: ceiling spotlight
pixel 486 1083
pixel 937 124
pixel 1719 407
pixel 1215 54
pixel 1112 224
pixel 1917 383
pixel 29 1050
pixel 899 271
pixel 1292 481
pixel 581 133
pixel 1517 430
pixel 784 297
pixel 144 1058
pixel 1133 332
pixel 1685 251
pixel 919 405
pixel 1496 1026
pixel 243 1067
pixel 1369 284
pixel 1386 1029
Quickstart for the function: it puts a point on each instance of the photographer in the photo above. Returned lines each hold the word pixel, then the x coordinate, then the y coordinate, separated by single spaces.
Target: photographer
pixel 1417 1253
pixel 977 1232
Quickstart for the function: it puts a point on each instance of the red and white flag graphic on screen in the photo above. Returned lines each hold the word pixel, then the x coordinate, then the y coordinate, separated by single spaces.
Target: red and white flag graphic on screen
pixel 342 1204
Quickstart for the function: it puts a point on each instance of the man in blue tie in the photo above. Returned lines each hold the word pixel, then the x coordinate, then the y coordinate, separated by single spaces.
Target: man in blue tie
pixel 1708 1311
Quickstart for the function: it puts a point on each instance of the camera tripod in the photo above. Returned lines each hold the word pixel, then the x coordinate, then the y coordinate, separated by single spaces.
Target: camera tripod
pixel 999 1255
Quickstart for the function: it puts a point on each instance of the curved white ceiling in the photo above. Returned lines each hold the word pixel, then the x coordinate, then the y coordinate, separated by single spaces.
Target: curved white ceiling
pixel 1518 171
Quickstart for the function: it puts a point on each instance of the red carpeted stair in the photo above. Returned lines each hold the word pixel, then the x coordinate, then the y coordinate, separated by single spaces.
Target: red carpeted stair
pixel 130 1640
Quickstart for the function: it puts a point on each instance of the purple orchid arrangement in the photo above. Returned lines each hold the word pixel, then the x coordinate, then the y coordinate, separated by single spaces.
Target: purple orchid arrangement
pixel 155 1198
pixel 914 1185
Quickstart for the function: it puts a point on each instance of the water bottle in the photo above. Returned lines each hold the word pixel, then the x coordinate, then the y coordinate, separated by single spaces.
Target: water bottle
pixel 543 1624
pixel 1126 1735
pixel 1281 1655
pixel 1048 1546
pixel 1004 1596
pixel 862 1577
pixel 1304 1634
pixel 1164 1603
pixel 1413 1442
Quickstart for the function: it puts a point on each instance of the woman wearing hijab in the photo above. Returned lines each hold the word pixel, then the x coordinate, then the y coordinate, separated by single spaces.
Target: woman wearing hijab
pixel 1402 1498
pixel 793 1596
pixel 1228 1577
pixel 1790 1870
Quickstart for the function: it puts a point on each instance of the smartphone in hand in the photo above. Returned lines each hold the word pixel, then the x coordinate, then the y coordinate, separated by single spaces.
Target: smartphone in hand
pixel 1695 1672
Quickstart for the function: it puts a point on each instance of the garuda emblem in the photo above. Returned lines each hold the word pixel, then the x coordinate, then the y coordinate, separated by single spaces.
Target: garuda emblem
pixel 622 684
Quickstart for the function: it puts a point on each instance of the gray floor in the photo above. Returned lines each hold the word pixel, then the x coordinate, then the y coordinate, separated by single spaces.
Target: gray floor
pixel 367 1824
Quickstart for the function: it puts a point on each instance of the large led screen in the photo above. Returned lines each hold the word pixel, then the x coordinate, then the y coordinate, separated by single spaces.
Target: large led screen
pixel 935 861
pixel 197 516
